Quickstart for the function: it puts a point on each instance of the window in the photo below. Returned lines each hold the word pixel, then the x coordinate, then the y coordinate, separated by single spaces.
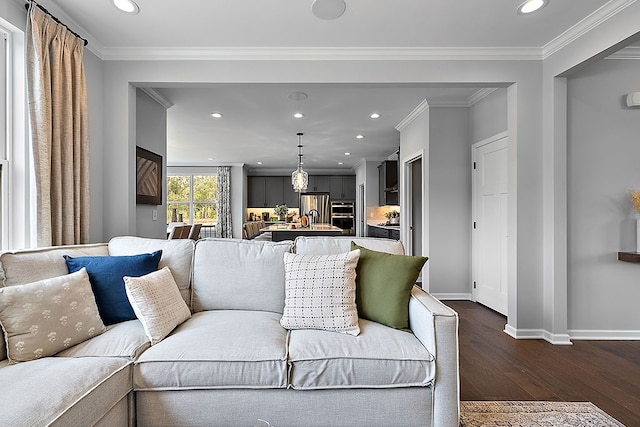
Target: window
pixel 192 199
pixel 4 108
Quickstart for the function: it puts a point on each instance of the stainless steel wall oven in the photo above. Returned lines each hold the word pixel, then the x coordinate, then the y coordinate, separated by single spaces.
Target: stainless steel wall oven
pixel 343 216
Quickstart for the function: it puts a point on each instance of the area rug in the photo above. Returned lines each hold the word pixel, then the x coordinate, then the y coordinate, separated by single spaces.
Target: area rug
pixel 530 414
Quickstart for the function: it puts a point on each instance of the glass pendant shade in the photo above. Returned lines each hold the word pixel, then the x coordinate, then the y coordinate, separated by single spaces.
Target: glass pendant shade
pixel 299 178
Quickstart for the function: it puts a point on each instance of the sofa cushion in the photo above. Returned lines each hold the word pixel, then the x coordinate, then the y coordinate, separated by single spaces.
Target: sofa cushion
pixel 379 357
pixel 320 292
pixel 235 274
pixel 384 284
pixel 42 318
pixel 31 265
pixel 64 391
pixel 319 245
pixel 218 349
pixel 106 274
pixel 124 339
pixel 177 254
pixel 156 300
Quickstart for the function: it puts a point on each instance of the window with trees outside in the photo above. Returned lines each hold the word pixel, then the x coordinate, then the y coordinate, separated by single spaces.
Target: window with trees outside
pixel 192 199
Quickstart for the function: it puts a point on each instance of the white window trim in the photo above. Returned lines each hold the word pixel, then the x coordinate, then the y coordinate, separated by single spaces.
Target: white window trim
pixel 17 232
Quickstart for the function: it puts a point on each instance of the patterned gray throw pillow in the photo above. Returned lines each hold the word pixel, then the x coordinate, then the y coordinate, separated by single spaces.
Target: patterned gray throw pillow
pixel 43 318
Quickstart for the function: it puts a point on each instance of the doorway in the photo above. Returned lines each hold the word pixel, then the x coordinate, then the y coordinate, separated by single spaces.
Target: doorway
pixel 361 211
pixel 416 207
pixel 413 211
pixel 490 192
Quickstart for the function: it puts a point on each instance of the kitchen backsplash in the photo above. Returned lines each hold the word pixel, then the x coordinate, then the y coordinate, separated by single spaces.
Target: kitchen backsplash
pixel 375 214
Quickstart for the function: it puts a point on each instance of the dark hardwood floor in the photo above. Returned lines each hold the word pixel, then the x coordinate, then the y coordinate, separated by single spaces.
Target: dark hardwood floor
pixel 494 366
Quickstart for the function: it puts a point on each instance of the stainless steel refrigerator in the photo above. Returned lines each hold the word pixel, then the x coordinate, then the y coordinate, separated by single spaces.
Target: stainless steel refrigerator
pixel 319 202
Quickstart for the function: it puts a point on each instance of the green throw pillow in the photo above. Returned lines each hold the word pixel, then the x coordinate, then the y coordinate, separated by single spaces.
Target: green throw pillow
pixel 383 286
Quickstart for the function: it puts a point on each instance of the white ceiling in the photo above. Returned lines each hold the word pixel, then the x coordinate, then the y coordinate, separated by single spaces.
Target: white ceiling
pixel 257 123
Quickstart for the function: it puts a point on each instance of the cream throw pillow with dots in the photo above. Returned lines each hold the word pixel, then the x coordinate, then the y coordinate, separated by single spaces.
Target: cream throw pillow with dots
pixel 320 292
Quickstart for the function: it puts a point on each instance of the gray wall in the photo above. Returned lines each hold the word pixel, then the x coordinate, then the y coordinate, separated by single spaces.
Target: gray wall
pixel 414 141
pixel 367 174
pixel 488 117
pixel 603 165
pixel 151 134
pixel 93 75
pixel 449 201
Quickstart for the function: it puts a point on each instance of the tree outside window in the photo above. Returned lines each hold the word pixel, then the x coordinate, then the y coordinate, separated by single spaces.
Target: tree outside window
pixel 193 197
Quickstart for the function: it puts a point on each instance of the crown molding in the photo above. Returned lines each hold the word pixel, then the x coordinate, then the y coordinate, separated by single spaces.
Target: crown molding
pixel 607 11
pixel 610 9
pixel 201 165
pixel 421 108
pixel 157 96
pixel 94 45
pixel 322 54
pixel 480 95
pixel 631 52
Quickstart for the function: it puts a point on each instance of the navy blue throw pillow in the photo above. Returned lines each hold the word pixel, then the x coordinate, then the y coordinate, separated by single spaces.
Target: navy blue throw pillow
pixel 106 276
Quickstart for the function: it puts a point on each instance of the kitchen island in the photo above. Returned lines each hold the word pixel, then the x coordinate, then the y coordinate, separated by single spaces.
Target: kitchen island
pixel 280 232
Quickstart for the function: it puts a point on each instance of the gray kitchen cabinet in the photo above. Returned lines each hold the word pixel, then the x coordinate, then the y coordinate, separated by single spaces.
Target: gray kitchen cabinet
pixel 318 183
pixel 290 196
pixel 274 190
pixel 342 187
pixel 386 233
pixel 256 192
pixel 269 191
pixel 388 183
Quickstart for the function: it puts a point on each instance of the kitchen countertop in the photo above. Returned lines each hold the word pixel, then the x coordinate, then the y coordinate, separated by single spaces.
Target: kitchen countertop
pixel 313 227
pixel 280 232
pixel 384 225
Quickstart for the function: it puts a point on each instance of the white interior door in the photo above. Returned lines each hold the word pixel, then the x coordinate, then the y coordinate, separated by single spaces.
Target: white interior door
pixel 490 194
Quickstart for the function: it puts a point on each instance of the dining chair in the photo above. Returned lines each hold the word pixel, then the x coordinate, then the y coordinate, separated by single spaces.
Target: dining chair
pixel 180 232
pixel 194 233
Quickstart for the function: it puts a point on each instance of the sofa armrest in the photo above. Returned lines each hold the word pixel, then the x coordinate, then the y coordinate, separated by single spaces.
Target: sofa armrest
pixel 436 326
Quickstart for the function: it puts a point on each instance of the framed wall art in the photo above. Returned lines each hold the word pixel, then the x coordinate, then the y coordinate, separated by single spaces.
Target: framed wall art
pixel 148 177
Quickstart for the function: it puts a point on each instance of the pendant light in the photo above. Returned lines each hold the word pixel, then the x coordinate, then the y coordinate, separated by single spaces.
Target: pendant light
pixel 299 178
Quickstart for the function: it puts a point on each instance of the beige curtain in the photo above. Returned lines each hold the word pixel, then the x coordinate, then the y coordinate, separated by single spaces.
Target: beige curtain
pixel 59 130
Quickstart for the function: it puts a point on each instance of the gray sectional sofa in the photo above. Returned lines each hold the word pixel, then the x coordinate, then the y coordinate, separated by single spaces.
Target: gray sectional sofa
pixel 232 363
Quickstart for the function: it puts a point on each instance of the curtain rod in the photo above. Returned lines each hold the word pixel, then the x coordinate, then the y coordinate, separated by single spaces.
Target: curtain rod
pixel 26 6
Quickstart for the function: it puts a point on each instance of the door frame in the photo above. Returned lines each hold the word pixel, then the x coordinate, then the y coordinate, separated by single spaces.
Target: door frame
pixel 406 203
pixel 474 213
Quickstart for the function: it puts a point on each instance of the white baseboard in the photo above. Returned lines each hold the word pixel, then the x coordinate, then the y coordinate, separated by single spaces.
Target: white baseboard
pixel 453 296
pixel 583 334
pixel 539 334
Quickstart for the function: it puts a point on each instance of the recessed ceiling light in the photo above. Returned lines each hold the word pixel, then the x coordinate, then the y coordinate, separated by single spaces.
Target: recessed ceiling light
pixel 359 136
pixel 128 6
pixel 530 6
pixel 211 158
pixel 328 9
pixel 298 115
pixel 259 163
pixel 347 154
pixel 341 163
pixel 216 115
pixel 375 115
pixel 298 96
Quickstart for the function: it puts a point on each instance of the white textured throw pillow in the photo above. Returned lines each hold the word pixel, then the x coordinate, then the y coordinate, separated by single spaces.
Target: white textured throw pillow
pixel 157 303
pixel 43 318
pixel 320 292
